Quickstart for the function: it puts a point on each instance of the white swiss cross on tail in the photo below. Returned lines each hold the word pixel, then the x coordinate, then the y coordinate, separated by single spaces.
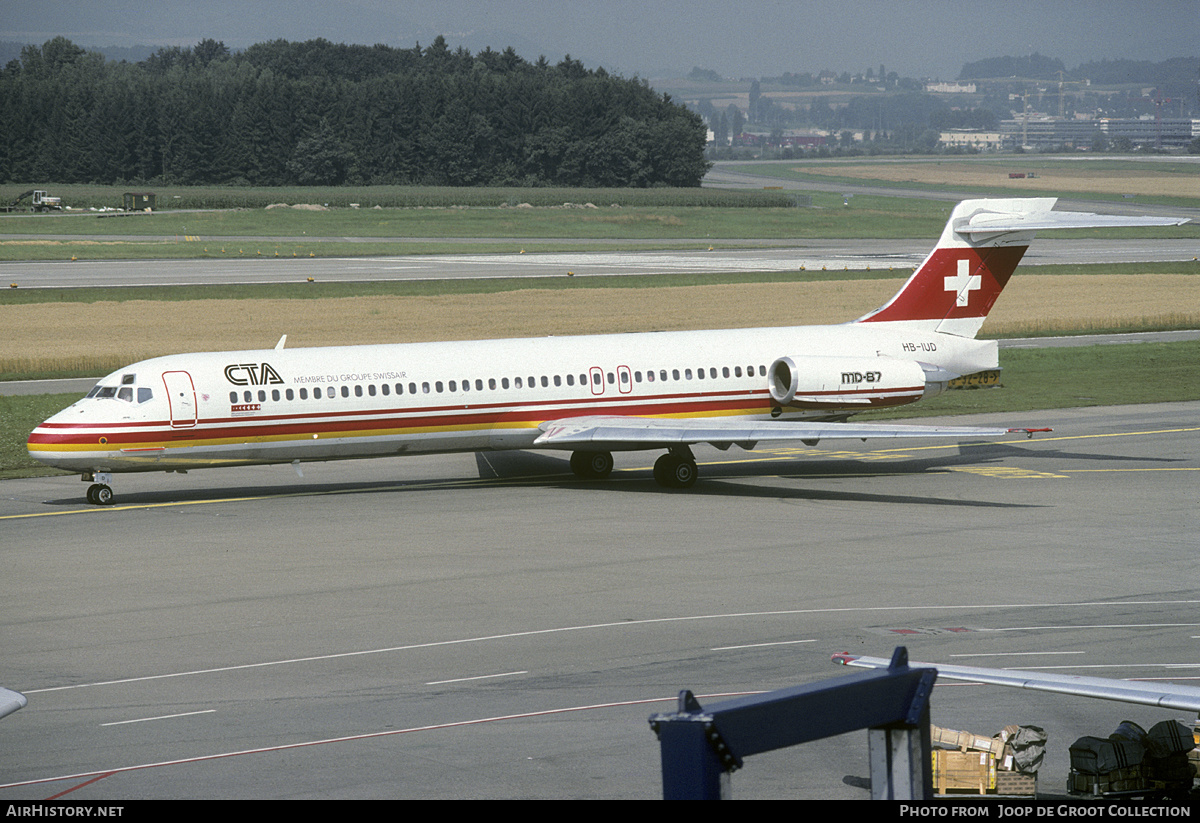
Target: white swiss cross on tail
pixel 963 283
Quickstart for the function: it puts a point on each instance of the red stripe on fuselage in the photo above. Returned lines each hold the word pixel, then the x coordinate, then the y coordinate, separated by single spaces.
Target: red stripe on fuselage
pixel 348 422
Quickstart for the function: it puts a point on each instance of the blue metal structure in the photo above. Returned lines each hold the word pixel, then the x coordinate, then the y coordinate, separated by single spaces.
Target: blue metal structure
pixel 702 747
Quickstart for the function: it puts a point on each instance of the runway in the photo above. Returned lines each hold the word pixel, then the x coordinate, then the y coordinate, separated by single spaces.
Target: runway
pixel 855 255
pixel 463 626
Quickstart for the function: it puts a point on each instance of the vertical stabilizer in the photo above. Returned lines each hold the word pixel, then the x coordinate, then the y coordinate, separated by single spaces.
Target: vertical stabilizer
pixel 953 290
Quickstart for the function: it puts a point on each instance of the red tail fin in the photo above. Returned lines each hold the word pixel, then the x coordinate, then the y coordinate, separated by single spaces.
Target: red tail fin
pixel 984 240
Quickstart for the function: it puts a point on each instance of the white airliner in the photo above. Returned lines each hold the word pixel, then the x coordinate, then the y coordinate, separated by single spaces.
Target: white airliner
pixel 591 395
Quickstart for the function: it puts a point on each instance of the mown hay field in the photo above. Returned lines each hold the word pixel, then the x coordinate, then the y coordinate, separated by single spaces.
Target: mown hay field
pixel 100 337
pixel 1083 177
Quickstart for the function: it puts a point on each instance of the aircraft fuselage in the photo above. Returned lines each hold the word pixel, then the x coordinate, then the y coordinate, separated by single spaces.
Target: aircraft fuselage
pixel 285 405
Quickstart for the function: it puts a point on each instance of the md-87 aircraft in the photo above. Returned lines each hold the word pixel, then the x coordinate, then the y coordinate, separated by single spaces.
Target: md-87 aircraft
pixel 590 395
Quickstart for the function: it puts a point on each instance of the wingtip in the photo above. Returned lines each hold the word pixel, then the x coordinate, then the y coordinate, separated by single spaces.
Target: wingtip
pixel 1029 433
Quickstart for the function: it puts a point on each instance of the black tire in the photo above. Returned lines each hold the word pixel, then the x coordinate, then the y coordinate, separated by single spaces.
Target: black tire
pixel 104 495
pixel 684 474
pixel 674 472
pixel 591 465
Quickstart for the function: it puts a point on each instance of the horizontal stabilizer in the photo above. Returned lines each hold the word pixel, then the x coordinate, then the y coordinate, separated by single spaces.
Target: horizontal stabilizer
pixel 615 433
pixel 1164 695
pixel 985 222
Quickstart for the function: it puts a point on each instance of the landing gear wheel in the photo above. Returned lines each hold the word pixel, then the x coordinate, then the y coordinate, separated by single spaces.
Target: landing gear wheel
pixel 674 472
pixel 100 494
pixel 591 465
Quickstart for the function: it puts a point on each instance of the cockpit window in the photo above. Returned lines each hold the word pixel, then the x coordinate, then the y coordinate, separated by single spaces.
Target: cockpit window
pixel 144 395
pixel 105 392
pixel 95 390
pixel 126 394
pixel 128 379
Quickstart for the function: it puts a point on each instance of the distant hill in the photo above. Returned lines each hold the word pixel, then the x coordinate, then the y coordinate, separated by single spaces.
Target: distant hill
pixel 1034 66
pixel 10 51
pixel 1178 74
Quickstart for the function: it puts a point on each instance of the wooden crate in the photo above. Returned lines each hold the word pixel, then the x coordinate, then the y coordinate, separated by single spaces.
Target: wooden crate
pixel 955 771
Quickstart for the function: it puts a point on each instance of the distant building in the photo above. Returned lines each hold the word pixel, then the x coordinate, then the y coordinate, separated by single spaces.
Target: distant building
pixel 950 88
pixel 1041 131
pixel 965 138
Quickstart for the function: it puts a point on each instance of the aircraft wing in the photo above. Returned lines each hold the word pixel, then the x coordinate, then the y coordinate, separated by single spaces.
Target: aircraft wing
pixel 10 701
pixel 620 433
pixel 1164 695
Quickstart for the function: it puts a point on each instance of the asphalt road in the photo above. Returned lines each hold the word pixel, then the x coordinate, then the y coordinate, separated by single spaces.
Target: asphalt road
pixel 450 626
pixel 843 254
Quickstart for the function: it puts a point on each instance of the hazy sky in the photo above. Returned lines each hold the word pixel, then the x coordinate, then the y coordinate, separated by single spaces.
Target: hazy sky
pixel 650 38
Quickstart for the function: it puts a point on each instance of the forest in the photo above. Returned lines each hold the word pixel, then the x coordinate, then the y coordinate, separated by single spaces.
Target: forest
pixel 318 113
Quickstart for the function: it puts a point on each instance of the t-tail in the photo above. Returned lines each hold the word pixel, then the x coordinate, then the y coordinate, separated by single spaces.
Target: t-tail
pixel 953 290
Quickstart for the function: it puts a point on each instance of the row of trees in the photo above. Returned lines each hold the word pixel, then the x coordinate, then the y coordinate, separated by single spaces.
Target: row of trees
pixel 317 113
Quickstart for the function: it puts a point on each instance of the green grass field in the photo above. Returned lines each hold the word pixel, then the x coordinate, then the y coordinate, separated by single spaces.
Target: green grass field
pixel 255 233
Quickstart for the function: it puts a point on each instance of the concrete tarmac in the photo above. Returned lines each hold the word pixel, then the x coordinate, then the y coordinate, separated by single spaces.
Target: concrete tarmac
pixel 486 626
pixel 876 255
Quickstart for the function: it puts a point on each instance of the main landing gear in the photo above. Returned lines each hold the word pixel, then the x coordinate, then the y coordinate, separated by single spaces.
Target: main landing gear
pixel 99 493
pixel 674 470
pixel 592 465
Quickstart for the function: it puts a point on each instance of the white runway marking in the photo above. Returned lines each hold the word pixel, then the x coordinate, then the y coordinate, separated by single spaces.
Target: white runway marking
pixel 658 620
pixel 760 645
pixel 477 677
pixel 160 717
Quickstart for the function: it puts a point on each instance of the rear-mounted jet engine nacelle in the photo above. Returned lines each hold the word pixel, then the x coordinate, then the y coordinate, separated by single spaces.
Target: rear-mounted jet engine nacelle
pixel 854 382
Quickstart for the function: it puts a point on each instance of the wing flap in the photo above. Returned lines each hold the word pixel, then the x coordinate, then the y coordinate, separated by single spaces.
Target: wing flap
pixel 617 433
pixel 1164 695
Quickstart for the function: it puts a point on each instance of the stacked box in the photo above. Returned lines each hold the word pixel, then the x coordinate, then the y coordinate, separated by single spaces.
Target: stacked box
pixel 988 765
pixel 963 772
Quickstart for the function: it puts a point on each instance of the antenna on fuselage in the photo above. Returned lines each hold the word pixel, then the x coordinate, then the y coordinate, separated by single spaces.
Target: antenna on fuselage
pixel 282 340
